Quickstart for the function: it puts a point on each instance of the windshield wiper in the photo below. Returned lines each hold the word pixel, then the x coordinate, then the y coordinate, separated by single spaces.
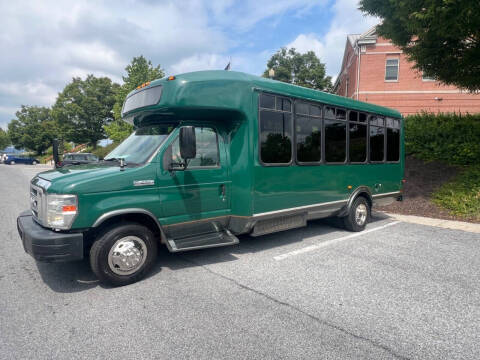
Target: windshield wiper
pixel 121 161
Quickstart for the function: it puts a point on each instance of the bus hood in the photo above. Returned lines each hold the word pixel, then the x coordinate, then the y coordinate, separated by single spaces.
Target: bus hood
pixel 93 178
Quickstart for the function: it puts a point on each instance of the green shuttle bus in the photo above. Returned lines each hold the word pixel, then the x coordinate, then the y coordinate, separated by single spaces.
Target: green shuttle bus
pixel 215 154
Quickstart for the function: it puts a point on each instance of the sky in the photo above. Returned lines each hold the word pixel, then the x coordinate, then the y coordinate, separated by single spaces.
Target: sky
pixel 44 44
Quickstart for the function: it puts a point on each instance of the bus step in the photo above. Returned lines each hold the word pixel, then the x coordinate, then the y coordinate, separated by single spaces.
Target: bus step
pixel 221 238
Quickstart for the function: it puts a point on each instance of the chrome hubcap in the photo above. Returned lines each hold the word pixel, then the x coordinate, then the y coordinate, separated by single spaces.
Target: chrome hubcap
pixel 361 214
pixel 127 255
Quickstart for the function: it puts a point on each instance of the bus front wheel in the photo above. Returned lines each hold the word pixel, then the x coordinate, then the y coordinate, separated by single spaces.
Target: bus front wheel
pixel 123 254
pixel 358 215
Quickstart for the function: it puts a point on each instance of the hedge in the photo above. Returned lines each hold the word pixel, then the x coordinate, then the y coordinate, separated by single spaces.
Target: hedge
pixel 450 138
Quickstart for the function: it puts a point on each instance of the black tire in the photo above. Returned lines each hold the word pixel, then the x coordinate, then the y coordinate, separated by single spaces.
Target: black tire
pixel 99 253
pixel 352 222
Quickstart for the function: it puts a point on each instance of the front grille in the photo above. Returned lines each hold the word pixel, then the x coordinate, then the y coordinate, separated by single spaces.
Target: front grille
pixel 37 203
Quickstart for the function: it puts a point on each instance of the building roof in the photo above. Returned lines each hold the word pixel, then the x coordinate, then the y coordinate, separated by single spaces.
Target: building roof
pixel 368 37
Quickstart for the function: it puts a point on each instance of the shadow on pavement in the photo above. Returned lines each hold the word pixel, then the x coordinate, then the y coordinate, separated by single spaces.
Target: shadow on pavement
pixel 77 276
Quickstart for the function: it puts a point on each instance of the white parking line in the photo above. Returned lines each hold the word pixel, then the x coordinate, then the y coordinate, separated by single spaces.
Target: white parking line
pixel 330 242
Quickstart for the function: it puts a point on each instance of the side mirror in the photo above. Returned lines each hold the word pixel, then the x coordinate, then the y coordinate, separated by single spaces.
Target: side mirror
pixel 56 158
pixel 188 142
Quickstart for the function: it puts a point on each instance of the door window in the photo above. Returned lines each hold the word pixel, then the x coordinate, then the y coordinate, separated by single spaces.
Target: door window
pixel 207 149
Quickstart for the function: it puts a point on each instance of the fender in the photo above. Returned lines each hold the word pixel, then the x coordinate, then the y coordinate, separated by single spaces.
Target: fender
pixel 110 214
pixel 359 190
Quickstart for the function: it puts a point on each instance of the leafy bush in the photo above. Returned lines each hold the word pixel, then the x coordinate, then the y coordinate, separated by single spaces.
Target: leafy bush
pixel 451 138
pixel 461 196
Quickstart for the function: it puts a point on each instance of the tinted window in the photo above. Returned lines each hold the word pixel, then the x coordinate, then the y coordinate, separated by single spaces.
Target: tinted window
pixel 376 143
pixel 283 104
pixel 315 110
pixel 329 112
pixel 267 101
pixel 335 141
pixel 358 142
pixel 393 139
pixel 362 117
pixel 207 149
pixel 341 114
pixel 275 137
pixel 309 138
pixel 301 108
pixel 353 116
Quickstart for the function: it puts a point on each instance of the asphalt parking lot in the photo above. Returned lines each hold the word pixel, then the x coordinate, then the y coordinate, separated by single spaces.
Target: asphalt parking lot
pixel 396 291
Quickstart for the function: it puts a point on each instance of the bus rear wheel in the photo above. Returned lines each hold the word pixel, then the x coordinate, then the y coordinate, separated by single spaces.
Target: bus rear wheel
pixel 358 216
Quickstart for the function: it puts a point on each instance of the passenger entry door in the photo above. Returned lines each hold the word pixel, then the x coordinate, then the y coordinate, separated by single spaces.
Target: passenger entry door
pixel 196 199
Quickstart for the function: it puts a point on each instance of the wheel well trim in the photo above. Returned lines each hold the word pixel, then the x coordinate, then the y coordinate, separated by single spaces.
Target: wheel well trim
pixel 357 192
pixel 118 212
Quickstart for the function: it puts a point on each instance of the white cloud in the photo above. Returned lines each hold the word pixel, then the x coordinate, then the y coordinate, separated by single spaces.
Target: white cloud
pixel 308 42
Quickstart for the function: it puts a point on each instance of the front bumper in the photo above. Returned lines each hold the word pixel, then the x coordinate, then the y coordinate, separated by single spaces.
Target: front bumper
pixel 48 245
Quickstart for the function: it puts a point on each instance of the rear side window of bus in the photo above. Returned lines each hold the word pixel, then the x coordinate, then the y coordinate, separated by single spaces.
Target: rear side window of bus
pixel 276 129
pixel 393 139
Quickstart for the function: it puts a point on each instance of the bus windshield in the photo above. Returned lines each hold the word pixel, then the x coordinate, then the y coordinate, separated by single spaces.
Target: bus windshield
pixel 141 144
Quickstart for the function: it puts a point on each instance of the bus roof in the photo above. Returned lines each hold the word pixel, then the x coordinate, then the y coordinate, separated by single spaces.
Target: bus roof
pixel 277 87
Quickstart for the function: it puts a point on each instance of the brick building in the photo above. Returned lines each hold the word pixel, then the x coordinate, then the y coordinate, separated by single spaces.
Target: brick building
pixel 376 71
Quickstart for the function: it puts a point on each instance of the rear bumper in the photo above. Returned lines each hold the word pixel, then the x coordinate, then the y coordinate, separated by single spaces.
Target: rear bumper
pixel 48 245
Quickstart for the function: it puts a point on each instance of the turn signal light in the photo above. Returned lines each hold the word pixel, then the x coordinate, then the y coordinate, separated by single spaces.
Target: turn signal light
pixel 349 187
pixel 171 77
pixel 68 208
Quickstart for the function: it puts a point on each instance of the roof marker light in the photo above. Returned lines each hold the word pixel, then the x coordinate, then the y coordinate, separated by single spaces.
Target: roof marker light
pixel 171 77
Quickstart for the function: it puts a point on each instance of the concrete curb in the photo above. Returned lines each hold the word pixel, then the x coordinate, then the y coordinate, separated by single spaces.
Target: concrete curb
pixel 446 224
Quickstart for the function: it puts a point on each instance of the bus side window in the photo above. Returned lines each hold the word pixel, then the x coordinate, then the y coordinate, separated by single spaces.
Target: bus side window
pixel 358 137
pixel 377 138
pixel 335 137
pixel 308 132
pixel 275 130
pixel 393 140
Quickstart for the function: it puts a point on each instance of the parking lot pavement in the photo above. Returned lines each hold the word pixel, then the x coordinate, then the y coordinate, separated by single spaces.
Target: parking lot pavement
pixel 396 291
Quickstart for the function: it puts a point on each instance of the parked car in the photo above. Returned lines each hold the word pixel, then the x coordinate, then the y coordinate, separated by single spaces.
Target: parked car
pixel 21 159
pixel 78 159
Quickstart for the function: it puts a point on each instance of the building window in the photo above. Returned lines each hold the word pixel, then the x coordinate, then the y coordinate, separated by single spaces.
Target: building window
pixel 335 136
pixel 391 70
pixel 358 137
pixel 377 138
pixel 275 129
pixel 427 78
pixel 308 130
pixel 393 139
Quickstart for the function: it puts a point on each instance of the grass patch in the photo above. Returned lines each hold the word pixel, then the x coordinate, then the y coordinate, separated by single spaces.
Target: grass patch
pixel 461 196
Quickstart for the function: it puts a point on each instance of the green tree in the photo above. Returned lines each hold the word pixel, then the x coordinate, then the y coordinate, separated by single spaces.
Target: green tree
pixel 299 69
pixel 4 139
pixel 139 71
pixel 33 129
pixel 441 37
pixel 84 107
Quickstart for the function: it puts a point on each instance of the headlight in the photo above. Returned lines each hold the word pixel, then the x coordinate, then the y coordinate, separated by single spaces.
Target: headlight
pixel 61 211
